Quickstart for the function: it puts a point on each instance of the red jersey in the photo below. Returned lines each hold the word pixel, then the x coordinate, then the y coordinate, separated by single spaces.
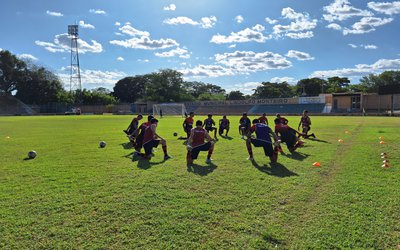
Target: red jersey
pixel 263 119
pixel 148 134
pixel 199 135
pixel 188 121
pixel 280 127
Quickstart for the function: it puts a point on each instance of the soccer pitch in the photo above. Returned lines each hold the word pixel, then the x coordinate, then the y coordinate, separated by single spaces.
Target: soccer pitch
pixel 77 195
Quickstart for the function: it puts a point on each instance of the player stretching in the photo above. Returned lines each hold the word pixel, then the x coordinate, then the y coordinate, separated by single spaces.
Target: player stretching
pixel 139 132
pixel 263 139
pixel 305 123
pixel 263 119
pixel 188 124
pixel 196 143
pixel 132 128
pixel 208 125
pixel 152 139
pixel 287 135
pixel 223 125
pixel 244 125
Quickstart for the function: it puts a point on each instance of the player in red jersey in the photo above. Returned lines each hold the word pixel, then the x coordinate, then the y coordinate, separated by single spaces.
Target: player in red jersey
pixel 244 125
pixel 263 139
pixel 305 123
pixel 282 119
pixel 151 140
pixel 208 125
pixel 287 135
pixel 188 124
pixel 139 132
pixel 263 119
pixel 223 125
pixel 199 140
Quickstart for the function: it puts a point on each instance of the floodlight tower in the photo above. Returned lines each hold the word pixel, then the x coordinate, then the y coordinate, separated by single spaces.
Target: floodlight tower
pixel 75 76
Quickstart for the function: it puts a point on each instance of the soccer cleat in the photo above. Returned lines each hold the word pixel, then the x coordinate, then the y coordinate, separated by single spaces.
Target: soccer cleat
pixel 166 157
pixel 208 161
pixel 243 137
pixel 250 158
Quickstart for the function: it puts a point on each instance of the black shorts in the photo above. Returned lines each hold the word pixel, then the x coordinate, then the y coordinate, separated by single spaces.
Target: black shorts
pixel 188 128
pixel 306 128
pixel 289 137
pixel 208 129
pixel 204 147
pixel 245 127
pixel 148 146
pixel 223 127
pixel 267 146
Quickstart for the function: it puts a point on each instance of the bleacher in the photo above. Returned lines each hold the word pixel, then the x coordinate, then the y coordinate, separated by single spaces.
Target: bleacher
pixel 10 105
pixel 287 108
pixel 223 109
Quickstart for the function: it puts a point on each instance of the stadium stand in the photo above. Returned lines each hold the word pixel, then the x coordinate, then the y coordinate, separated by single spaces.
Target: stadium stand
pixel 287 108
pixel 223 109
pixel 10 105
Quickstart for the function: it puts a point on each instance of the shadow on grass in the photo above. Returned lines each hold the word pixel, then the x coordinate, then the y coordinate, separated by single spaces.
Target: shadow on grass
pixel 201 170
pixel 28 159
pixel 146 164
pixel 226 137
pixel 298 156
pixel 275 169
pixel 127 145
pixel 318 140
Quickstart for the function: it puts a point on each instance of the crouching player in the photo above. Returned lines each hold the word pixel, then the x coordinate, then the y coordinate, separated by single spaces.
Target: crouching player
pixel 305 123
pixel 287 135
pixel 199 140
pixel 188 124
pixel 209 125
pixel 152 139
pixel 132 129
pixel 244 125
pixel 223 125
pixel 263 139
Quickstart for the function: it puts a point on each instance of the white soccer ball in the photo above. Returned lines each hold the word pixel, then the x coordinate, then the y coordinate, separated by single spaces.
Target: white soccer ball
pixel 32 154
pixel 102 144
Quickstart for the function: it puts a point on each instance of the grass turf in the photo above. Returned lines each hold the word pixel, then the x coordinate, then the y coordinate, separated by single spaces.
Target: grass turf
pixel 77 195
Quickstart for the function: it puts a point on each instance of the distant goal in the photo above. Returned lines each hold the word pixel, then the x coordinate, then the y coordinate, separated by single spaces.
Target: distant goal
pixel 169 109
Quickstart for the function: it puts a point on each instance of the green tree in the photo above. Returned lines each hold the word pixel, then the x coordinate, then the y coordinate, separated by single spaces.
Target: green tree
pixel 195 89
pixel 337 84
pixel 235 95
pixel 164 86
pixel 130 89
pixel 12 71
pixel 310 86
pixel 97 97
pixel 273 90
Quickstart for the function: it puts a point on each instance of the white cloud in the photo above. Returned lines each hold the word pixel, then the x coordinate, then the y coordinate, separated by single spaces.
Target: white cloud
pixel 171 7
pixel 302 56
pixel 361 69
pixel 245 88
pixel 271 21
pixel 95 78
pixel 117 24
pixel 120 58
pixel 388 8
pixel 98 12
pixel 334 26
pixel 370 46
pixel 299 28
pixel 27 57
pixel 206 22
pixel 254 34
pixel 62 43
pixel 352 45
pixel 145 43
pixel 287 79
pixel 239 19
pixel 85 25
pixel 129 30
pixel 366 24
pixel 143 60
pixel 201 71
pixel 232 46
pixel 182 53
pixel 341 10
pixel 52 13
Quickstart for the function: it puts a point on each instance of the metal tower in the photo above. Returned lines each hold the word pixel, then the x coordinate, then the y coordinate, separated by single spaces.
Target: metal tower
pixel 75 77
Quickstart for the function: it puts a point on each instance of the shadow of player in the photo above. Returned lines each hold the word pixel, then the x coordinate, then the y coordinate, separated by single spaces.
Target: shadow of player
pixel 275 169
pixel 226 137
pixel 201 170
pixel 127 145
pixel 318 140
pixel 297 156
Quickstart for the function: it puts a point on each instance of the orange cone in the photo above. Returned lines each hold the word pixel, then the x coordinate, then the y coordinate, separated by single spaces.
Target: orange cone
pixel 340 140
pixel 316 164
pixel 382 142
pixel 385 165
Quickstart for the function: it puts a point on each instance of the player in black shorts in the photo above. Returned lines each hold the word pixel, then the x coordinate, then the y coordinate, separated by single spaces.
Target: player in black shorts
pixel 223 125
pixel 209 125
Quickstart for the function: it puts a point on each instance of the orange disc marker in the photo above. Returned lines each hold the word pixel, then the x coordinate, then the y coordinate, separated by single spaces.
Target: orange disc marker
pixel 340 140
pixel 385 165
pixel 346 132
pixel 382 142
pixel 316 164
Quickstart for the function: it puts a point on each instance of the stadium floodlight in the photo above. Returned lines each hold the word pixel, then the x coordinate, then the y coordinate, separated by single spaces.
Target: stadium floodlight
pixel 75 74
pixel 169 109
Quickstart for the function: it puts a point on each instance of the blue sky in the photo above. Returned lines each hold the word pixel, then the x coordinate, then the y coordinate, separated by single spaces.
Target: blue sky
pixel 234 44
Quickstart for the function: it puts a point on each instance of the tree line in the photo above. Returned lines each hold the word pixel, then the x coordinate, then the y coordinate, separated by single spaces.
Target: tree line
pixel 34 84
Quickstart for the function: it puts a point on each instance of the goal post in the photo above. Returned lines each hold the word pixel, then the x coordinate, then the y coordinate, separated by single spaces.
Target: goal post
pixel 169 109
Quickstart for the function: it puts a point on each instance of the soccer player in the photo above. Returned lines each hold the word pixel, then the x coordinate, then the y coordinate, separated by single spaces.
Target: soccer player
pixel 133 126
pixel 244 125
pixel 282 119
pixel 140 131
pixel 263 139
pixel 305 123
pixel 208 125
pixel 151 140
pixel 263 119
pixel 188 124
pixel 223 125
pixel 199 140
pixel 287 135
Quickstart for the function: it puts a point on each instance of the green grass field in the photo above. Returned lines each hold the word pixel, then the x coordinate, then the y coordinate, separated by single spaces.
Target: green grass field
pixel 77 195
